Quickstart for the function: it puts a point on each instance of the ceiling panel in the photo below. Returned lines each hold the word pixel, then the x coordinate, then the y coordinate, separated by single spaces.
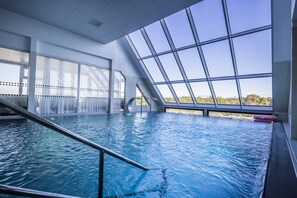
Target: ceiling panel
pixel 123 17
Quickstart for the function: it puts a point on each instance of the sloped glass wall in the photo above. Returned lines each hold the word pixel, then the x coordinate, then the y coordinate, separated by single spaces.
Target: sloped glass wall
pixel 13 77
pixel 140 99
pixel 216 53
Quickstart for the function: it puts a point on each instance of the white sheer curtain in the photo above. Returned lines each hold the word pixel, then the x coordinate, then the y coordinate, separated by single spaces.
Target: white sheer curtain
pixel 94 86
pixel 56 86
pixel 119 91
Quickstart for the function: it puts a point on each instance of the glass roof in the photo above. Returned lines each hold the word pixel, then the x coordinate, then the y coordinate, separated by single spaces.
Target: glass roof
pixel 191 62
pixel 179 29
pixel 157 37
pixel 209 25
pixel 218 58
pixel 215 52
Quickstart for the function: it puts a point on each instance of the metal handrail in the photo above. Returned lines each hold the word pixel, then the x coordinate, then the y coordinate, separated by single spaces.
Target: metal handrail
pixel 11 190
pixel 74 136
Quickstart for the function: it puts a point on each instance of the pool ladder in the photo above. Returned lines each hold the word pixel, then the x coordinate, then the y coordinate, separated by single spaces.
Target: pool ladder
pixel 33 193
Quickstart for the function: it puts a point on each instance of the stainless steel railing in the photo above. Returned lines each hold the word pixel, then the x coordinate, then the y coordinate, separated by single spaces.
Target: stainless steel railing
pixel 11 190
pixel 76 137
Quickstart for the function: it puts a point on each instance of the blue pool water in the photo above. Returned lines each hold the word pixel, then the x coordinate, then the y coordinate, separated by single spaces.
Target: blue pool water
pixel 191 156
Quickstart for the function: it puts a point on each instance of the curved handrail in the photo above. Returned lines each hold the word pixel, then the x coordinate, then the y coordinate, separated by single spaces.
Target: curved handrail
pixel 67 133
pixel 11 190
pixel 129 104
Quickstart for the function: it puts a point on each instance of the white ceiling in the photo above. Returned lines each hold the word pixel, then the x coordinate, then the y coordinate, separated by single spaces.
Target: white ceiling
pixel 119 17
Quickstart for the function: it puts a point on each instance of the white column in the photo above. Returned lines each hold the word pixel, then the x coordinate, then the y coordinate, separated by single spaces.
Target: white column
pixel 78 90
pixel 111 87
pixel 32 75
pixel 281 54
pixel 293 95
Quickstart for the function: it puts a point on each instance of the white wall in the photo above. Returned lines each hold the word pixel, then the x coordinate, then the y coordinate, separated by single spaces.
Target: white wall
pixel 17 24
pixel 134 75
pixel 17 31
pixel 281 36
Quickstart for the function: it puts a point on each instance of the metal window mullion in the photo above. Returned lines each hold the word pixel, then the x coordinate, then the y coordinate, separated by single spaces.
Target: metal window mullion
pixel 248 76
pixel 144 68
pixel 214 40
pixel 159 93
pixel 226 16
pixel 166 78
pixel 204 65
pixel 184 75
pixel 146 38
pixel 252 31
pixel 174 94
pixel 247 32
pixel 21 79
pixel 162 69
pixel 191 93
pixel 146 71
pixel 132 47
pixel 159 65
pixel 167 34
pixel 148 41
pixel 185 47
pixel 78 88
pixel 172 47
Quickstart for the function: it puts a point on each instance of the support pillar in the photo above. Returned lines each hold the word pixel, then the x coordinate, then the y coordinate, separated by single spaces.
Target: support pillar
pixel 32 75
pixel 293 95
pixel 78 90
pixel 111 87
pixel 205 113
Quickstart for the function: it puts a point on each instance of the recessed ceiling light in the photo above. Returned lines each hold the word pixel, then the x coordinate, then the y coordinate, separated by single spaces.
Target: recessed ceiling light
pixel 95 22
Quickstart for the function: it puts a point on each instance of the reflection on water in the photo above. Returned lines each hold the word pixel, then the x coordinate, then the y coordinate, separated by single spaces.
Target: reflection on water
pixel 191 156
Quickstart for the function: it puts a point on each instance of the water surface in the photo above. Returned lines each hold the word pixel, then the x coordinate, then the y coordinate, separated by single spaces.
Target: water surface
pixel 191 156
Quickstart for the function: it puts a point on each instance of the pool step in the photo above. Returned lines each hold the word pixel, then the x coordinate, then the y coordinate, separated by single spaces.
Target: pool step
pixel 153 185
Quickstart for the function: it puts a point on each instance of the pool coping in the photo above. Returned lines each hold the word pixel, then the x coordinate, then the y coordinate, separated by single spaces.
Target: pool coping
pixel 280 177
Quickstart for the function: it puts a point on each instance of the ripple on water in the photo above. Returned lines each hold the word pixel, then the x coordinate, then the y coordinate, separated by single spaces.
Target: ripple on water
pixel 203 157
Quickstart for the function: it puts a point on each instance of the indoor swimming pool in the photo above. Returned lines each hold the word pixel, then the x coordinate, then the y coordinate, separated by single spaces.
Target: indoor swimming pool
pixel 190 155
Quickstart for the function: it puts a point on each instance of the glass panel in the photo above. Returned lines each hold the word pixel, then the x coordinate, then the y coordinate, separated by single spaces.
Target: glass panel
pixel 94 87
pixel 209 19
pixel 226 92
pixel 119 91
pixel 9 69
pixel 170 66
pixel 94 82
pixel 119 85
pixel 12 87
pixel 218 59
pixel 56 86
pixel 180 30
pixel 140 44
pixel 140 99
pixel 14 56
pixel 202 92
pixel 248 14
pixel 253 53
pixel 191 62
pixel 9 84
pixel 157 37
pixel 182 93
pixel 166 93
pixel 24 87
pixel 154 70
pixel 256 91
